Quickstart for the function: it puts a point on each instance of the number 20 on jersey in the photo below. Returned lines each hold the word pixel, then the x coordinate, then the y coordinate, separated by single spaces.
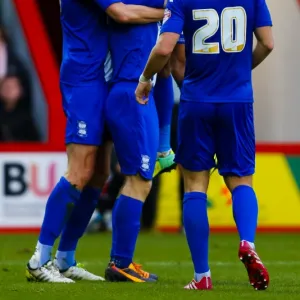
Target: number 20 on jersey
pixel 233 27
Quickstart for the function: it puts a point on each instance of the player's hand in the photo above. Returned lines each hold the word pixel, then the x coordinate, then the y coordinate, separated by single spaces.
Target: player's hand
pixel 142 92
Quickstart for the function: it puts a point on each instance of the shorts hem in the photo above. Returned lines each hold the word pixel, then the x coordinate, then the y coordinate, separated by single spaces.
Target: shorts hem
pixel 194 168
pixel 67 142
pixel 131 173
pixel 237 173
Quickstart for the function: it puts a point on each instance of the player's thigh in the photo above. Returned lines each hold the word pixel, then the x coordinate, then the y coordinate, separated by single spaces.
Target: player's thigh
pixel 134 129
pixel 84 109
pixel 196 142
pixel 235 139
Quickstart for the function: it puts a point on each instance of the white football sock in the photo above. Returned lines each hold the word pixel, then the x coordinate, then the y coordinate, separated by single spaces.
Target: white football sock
pixel 41 256
pixel 198 276
pixel 163 154
pixel 250 244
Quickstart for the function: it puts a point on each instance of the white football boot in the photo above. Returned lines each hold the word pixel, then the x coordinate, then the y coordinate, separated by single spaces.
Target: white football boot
pixel 46 273
pixel 79 273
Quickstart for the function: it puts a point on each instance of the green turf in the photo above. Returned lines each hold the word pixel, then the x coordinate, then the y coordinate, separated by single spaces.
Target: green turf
pixel 166 255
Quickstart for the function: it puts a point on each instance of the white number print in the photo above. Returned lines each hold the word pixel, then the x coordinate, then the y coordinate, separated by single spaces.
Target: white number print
pixel 234 40
pixel 205 32
pixel 233 26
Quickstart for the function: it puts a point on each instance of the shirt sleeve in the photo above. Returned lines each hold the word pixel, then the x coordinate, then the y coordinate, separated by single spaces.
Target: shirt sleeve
pixel 263 16
pixel 174 17
pixel 104 4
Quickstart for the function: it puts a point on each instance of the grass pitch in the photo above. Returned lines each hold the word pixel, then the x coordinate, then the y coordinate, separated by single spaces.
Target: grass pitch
pixel 165 255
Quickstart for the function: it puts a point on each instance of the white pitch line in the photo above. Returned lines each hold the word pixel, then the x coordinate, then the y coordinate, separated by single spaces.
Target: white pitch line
pixel 164 263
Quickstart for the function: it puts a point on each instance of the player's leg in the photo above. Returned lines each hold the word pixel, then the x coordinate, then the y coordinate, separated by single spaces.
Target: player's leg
pixel 164 100
pixel 134 130
pixel 237 163
pixel 195 155
pixel 80 217
pixel 83 210
pixel 83 135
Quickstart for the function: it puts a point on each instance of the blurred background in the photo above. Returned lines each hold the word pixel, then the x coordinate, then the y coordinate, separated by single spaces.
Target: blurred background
pixel 32 129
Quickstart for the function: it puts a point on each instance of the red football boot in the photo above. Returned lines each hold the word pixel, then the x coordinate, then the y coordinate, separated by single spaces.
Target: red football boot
pixel 257 272
pixel 203 284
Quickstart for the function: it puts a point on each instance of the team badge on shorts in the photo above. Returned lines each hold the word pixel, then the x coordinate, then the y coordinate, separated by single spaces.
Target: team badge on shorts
pixel 81 129
pixel 145 163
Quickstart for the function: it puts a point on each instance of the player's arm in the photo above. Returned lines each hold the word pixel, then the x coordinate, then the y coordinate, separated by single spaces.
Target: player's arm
pixel 263 33
pixel 265 45
pixel 158 58
pixel 178 63
pixel 170 32
pixel 134 14
pixel 161 53
pixel 166 71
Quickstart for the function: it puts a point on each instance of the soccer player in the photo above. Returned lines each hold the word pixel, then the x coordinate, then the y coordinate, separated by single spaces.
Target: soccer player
pixel 135 133
pixel 73 200
pixel 216 116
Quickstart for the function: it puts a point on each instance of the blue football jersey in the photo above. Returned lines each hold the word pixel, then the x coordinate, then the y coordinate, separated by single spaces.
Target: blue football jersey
pixel 85 40
pixel 219 43
pixel 130 45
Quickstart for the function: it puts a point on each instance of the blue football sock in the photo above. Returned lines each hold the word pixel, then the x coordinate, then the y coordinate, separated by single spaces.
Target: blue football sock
pixel 164 139
pixel 65 259
pixel 58 209
pixel 164 101
pixel 196 226
pixel 245 212
pixel 77 224
pixel 126 226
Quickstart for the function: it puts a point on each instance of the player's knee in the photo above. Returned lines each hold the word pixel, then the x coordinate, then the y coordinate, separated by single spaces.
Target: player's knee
pixel 79 178
pixel 146 187
pixel 195 181
pixel 140 185
pixel 137 187
pixel 234 181
pixel 81 164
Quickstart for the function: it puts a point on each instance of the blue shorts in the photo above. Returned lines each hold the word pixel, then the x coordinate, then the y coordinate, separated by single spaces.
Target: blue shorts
pixel 224 129
pixel 134 130
pixel 84 108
